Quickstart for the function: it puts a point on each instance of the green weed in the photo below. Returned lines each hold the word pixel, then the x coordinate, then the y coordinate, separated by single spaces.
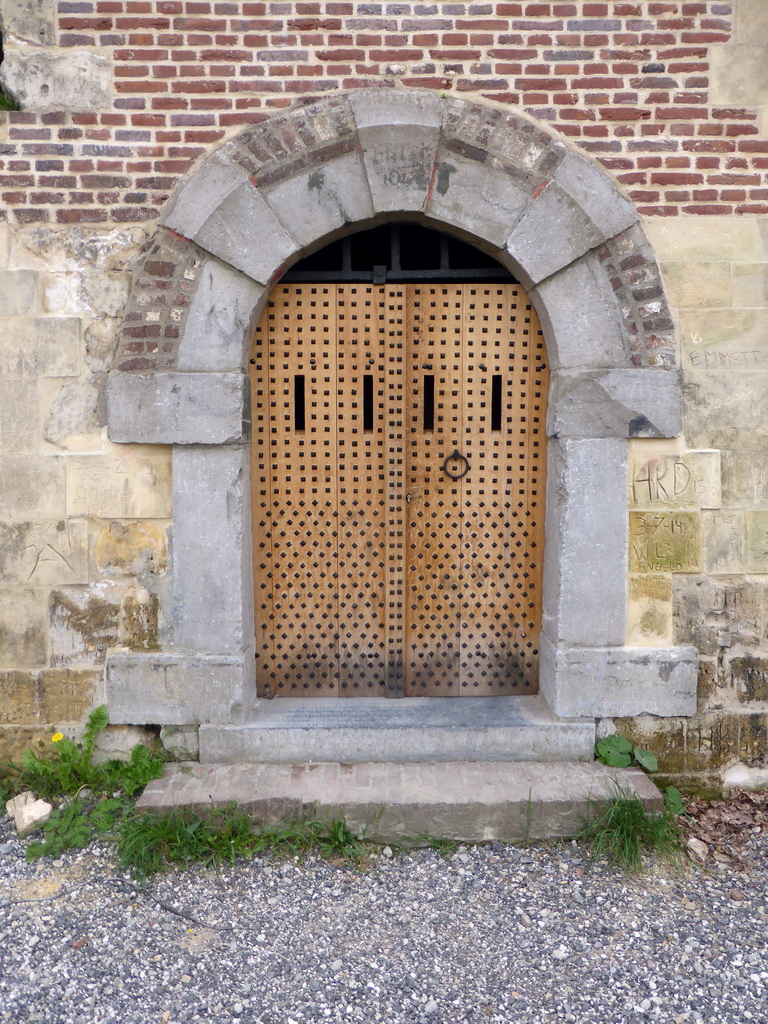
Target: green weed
pixel 65 768
pixel 618 752
pixel 149 842
pixel 7 103
pixel 621 830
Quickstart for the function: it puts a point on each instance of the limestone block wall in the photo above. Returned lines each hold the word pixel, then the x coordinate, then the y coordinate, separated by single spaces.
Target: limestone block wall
pixel 119 100
pixel 698 520
pixel 83 523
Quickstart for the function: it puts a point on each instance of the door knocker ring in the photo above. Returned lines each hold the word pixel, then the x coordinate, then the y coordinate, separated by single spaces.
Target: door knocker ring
pixel 449 458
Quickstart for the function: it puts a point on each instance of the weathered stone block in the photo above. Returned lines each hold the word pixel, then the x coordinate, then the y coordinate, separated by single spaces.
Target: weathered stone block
pixel 661 542
pixel 75 418
pixel 757 541
pixel 716 612
pixel 724 339
pixel 649 611
pixel 643 402
pixel 218 321
pixel 15 739
pixel 101 338
pixel 22 628
pixel 259 244
pixel 57 248
pixel 213 593
pixel 739 75
pixel 129 549
pixel 132 483
pixel 576 211
pixel 586 552
pixel 182 742
pixel 68 695
pixel 177 408
pixel 31 487
pixel 43 553
pixel 86 621
pixel 745 479
pixel 18 292
pixel 709 684
pixel 698 284
pixel 702 238
pixel 475 196
pixel 753 733
pixel 750 284
pixel 40 347
pixel 18 417
pixel 42 81
pixel 312 205
pixel 19 698
pixel 674 480
pixel 611 681
pixel 724 540
pixel 579 314
pixel 748 675
pixel 727 411
pixel 399 173
pixel 87 293
pixel 197 198
pixel 33 21
pixel 83 623
pixel 175 689
pixel 139 620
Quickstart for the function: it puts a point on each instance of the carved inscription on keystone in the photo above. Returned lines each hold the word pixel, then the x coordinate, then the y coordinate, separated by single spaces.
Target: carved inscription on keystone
pixel 662 542
pixel 686 480
pixel 404 166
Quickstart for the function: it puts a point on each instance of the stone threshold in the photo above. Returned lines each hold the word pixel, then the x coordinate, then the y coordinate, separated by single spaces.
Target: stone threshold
pixel 413 729
pixel 462 800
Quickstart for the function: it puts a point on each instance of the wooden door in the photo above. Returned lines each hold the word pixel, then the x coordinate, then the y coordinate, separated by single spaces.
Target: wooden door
pixel 384 563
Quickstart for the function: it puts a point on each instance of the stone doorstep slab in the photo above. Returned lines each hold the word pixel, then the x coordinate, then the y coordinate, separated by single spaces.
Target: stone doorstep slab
pixel 468 801
pixel 289 729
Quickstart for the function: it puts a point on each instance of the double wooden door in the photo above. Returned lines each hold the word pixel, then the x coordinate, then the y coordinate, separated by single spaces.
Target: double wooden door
pixel 398 463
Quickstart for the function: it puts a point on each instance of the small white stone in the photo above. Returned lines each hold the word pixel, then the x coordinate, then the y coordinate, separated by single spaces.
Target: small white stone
pixel 30 816
pixel 697 848
pixel 431 1007
pixel 337 965
pixel 18 802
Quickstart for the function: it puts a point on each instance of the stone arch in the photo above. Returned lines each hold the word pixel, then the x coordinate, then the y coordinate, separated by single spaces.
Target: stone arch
pixel 289 185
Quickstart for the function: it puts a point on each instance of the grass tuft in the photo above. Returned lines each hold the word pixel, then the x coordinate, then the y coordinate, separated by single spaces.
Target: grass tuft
pixel 621 830
pixel 149 843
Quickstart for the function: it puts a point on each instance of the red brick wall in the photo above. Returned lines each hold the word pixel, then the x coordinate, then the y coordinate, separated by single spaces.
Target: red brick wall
pixel 626 81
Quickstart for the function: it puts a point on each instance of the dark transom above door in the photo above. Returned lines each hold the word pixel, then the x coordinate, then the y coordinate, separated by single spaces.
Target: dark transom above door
pixel 398 465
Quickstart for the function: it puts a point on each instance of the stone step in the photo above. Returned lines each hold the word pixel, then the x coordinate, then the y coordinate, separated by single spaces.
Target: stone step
pixel 464 800
pixel 290 729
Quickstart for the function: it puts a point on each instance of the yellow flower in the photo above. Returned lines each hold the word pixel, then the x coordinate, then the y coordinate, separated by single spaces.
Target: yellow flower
pixel 57 736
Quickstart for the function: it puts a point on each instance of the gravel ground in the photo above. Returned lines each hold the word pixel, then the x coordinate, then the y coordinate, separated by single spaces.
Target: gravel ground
pixel 494 934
